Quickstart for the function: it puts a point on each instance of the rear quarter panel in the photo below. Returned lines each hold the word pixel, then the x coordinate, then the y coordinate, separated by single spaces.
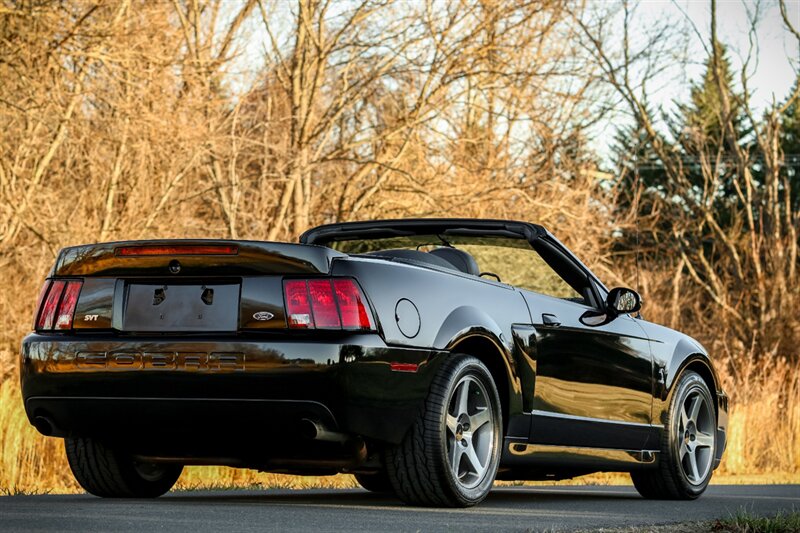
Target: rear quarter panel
pixel 451 307
pixel 440 297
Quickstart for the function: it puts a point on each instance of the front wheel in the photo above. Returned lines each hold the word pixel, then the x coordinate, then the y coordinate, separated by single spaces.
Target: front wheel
pixel 450 455
pixel 110 473
pixel 688 445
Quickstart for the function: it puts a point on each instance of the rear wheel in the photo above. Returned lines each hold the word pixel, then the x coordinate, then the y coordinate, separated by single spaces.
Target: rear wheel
pixel 688 445
pixel 107 472
pixel 450 455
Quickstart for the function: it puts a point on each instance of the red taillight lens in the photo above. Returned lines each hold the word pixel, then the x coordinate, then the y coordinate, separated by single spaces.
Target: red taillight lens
pixel 352 305
pixel 323 304
pixel 66 309
pixel 42 295
pixel 47 314
pixel 326 303
pixel 133 251
pixel 57 304
pixel 298 307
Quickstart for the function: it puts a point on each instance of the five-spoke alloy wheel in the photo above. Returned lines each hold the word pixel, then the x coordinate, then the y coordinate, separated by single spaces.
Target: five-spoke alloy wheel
pixel 470 432
pixel 450 455
pixel 688 447
pixel 696 437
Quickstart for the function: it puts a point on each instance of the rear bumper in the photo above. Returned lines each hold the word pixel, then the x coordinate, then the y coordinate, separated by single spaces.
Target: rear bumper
pixel 202 388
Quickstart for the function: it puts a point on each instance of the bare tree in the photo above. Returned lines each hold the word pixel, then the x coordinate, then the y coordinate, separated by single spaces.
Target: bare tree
pixel 742 258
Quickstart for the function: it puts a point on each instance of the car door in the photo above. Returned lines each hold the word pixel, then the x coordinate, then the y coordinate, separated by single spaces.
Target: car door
pixel 593 384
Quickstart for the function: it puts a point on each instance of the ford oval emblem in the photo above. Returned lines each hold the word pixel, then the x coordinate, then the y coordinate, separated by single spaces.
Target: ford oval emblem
pixel 263 315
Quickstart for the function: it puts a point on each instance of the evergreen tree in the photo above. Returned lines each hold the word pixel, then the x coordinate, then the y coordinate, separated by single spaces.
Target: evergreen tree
pixel 697 132
pixel 636 159
pixel 703 115
pixel 790 144
pixel 698 127
pixel 642 176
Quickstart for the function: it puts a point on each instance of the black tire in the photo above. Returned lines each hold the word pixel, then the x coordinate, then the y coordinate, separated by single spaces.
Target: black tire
pixel 420 467
pixel 103 471
pixel 377 482
pixel 674 478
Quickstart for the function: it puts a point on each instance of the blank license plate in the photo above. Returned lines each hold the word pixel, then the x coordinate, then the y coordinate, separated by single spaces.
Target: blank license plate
pixel 193 308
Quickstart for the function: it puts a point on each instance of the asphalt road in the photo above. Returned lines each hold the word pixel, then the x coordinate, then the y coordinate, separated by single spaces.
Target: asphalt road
pixel 510 509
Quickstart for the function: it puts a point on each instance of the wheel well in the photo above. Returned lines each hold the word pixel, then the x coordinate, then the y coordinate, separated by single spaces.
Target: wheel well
pixel 490 355
pixel 705 373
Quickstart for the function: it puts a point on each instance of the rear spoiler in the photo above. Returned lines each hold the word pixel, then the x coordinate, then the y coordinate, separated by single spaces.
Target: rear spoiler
pixel 193 257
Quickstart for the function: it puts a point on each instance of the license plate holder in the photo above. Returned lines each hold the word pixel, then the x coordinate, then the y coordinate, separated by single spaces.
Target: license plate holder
pixel 160 307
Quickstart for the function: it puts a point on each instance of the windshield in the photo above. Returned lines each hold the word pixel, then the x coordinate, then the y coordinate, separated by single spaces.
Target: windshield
pixel 419 242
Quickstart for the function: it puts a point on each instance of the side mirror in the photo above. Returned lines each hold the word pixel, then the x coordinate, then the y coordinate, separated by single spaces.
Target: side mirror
pixel 622 301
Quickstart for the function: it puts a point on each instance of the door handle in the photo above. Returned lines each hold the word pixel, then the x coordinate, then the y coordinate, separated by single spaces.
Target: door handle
pixel 550 320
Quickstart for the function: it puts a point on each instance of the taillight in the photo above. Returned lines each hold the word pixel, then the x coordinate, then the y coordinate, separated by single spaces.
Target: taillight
pixel 48 312
pixel 298 307
pixel 42 295
pixel 323 304
pixel 351 305
pixel 66 309
pixel 326 303
pixel 57 304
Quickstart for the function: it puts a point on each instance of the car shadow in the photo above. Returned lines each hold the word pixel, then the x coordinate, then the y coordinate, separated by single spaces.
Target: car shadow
pixel 500 496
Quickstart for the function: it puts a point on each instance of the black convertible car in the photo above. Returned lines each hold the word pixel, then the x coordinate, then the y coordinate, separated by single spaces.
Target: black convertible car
pixel 427 357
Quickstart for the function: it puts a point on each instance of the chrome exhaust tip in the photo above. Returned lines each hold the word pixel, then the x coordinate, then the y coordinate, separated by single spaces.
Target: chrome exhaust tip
pixel 314 430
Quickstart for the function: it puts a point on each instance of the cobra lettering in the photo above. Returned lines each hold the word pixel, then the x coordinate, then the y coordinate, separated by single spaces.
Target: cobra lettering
pixel 161 361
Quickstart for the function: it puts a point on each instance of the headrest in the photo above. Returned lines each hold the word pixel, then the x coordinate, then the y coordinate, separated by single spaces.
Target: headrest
pixel 459 259
pixel 414 255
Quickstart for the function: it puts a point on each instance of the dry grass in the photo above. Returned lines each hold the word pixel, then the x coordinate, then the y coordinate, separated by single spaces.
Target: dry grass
pixel 744 522
pixel 740 523
pixel 29 462
pixel 764 426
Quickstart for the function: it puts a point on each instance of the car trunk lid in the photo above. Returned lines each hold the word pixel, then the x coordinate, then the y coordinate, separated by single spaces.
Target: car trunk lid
pixel 184 258
pixel 185 286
